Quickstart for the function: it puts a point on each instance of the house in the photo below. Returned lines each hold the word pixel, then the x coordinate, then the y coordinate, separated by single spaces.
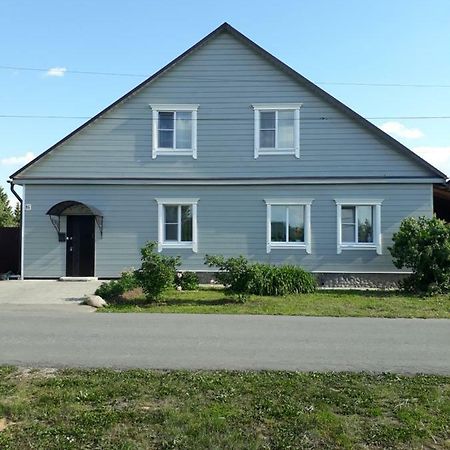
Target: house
pixel 226 150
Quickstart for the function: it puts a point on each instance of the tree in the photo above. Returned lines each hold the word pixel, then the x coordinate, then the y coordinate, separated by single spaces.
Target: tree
pixel 423 246
pixel 7 218
pixel 17 215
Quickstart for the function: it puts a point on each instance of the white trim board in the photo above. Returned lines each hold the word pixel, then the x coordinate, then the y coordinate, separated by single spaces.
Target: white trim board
pixel 22 237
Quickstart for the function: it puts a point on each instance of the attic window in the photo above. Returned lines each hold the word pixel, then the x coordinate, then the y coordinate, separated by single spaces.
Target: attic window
pixel 174 130
pixel 277 129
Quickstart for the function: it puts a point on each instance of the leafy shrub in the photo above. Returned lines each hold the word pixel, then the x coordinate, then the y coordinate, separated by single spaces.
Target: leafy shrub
pixel 423 245
pixel 242 278
pixel 112 290
pixel 234 274
pixel 157 272
pixel 188 281
pixel 267 279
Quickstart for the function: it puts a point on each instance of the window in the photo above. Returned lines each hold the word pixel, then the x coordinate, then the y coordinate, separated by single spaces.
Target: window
pixel 359 225
pixel 277 129
pixel 177 223
pixel 288 224
pixel 174 130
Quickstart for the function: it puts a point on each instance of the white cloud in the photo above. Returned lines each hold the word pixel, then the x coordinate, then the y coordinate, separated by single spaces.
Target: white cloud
pixel 56 72
pixel 397 129
pixel 437 156
pixel 17 160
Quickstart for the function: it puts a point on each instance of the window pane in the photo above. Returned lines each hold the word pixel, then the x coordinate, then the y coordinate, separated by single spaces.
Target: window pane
pixel 267 120
pixel 186 223
pixel 184 129
pixel 165 139
pixel 166 120
pixel 286 129
pixel 348 214
pixel 278 224
pixel 171 232
pixel 267 139
pixel 348 233
pixel 296 224
pixel 171 214
pixel 365 224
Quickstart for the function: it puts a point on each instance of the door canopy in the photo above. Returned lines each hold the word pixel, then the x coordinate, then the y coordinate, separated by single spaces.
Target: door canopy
pixel 73 208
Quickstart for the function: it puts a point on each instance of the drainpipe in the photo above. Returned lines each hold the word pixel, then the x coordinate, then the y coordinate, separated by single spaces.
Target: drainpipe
pixel 12 185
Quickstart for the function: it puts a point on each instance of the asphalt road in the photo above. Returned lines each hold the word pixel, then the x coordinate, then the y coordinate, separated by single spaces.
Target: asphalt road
pixel 71 335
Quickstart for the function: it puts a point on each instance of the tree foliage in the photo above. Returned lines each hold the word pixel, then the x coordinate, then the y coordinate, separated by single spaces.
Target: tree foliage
pixel 8 218
pixel 423 246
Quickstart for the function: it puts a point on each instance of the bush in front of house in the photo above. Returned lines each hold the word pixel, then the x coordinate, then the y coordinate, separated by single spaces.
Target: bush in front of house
pixel 113 289
pixel 267 279
pixel 234 273
pixel 157 272
pixel 242 278
pixel 423 246
pixel 187 281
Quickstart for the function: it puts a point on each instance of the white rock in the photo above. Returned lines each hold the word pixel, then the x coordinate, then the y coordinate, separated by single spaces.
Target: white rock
pixel 94 300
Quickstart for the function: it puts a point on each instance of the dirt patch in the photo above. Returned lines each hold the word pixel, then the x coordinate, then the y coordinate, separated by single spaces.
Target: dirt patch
pixel 4 424
pixel 28 372
pixel 134 293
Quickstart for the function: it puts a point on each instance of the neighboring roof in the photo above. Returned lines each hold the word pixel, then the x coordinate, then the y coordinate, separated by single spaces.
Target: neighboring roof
pixel 225 27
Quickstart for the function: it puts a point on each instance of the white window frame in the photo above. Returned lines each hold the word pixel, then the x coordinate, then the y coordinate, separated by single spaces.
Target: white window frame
pixel 192 202
pixel 258 107
pixel 377 235
pixel 156 150
pixel 306 203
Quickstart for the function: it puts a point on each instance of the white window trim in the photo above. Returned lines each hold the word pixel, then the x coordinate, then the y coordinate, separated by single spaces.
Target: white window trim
pixel 377 235
pixel 156 108
pixel 177 202
pixel 307 223
pixel 258 107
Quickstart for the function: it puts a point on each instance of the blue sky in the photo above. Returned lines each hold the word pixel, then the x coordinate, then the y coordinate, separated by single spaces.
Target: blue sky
pixel 328 41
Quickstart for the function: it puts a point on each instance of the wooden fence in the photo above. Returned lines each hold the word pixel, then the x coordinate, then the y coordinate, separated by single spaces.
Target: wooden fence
pixel 9 250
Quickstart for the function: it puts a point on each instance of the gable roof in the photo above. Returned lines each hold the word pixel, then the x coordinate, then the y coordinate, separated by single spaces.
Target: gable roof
pixel 225 27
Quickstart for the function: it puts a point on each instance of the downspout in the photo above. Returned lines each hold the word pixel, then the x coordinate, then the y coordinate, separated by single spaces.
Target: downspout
pixel 12 185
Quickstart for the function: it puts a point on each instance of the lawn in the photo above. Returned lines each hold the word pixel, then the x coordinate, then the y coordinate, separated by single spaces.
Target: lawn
pixel 321 303
pixel 142 409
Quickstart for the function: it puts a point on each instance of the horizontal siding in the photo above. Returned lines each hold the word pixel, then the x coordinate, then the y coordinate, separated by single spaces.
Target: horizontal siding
pixel 225 78
pixel 231 221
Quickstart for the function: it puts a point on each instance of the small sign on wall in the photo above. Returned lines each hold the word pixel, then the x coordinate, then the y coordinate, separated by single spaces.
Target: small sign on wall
pixel 27 206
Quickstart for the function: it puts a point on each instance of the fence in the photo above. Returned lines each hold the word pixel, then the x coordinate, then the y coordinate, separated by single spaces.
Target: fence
pixel 9 250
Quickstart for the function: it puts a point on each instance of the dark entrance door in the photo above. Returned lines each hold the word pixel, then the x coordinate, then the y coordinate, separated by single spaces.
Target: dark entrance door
pixel 80 247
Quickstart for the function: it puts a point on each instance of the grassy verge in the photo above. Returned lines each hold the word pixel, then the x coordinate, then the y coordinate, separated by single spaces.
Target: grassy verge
pixel 321 303
pixel 75 409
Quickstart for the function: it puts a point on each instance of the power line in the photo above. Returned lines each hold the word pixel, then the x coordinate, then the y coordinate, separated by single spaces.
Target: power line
pixel 78 72
pixel 136 75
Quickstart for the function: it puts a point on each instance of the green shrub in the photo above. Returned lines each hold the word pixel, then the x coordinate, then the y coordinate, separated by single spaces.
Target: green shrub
pixel 267 279
pixel 423 245
pixel 234 274
pixel 188 281
pixel 157 272
pixel 242 278
pixel 112 290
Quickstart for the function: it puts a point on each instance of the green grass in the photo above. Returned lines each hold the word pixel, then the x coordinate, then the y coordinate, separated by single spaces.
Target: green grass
pixel 321 303
pixel 141 409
